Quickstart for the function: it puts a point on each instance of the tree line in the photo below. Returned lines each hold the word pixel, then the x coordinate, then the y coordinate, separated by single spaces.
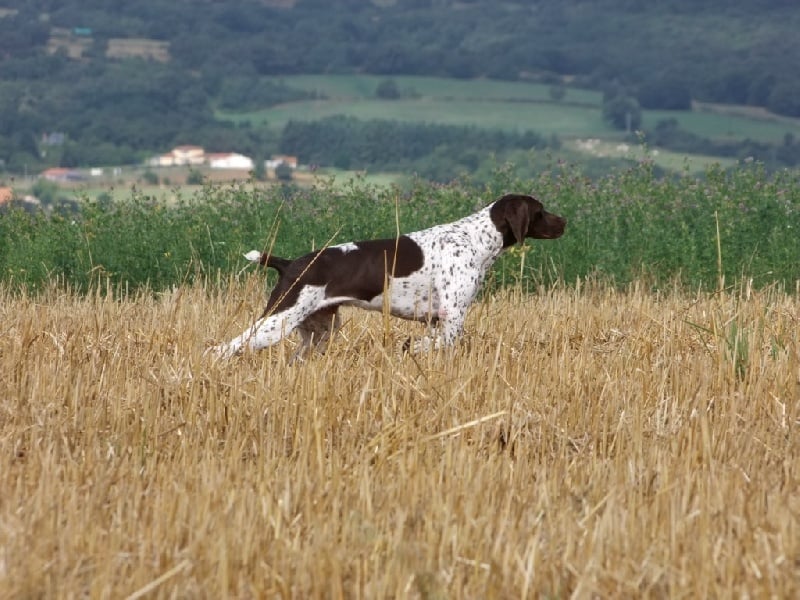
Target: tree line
pixel 436 152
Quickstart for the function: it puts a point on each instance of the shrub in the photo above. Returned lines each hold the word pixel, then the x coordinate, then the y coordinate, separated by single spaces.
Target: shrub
pixel 665 92
pixel 284 172
pixel 387 90
pixel 194 177
pixel 623 112
pixel 621 226
pixel 149 177
pixel 785 98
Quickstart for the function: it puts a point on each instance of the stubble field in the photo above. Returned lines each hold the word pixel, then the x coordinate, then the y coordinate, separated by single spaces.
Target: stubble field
pixel 581 442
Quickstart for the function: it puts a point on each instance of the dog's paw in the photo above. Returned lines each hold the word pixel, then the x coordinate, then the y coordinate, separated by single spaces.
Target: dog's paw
pixel 421 345
pixel 220 352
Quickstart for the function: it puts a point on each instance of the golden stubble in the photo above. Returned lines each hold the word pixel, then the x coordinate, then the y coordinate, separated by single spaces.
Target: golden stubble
pixel 579 441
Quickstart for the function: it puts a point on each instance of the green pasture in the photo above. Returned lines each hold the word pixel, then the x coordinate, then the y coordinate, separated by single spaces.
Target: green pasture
pixel 563 120
pixel 672 161
pixel 725 127
pixel 680 162
pixel 506 105
pixel 363 86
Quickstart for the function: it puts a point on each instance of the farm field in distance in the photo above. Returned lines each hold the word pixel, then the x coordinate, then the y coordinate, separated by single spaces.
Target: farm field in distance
pixel 582 441
pixel 511 106
pixel 173 185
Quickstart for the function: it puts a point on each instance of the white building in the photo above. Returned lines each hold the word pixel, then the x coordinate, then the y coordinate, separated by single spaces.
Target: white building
pixel 229 160
pixel 179 155
pixel 281 159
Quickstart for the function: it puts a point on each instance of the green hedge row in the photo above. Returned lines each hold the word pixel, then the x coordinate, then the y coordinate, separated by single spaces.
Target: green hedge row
pixel 627 225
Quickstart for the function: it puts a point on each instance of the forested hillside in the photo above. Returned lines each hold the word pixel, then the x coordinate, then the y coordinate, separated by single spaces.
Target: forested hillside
pixel 124 79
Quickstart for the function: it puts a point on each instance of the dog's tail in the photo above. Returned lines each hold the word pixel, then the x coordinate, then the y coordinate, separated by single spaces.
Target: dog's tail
pixel 264 258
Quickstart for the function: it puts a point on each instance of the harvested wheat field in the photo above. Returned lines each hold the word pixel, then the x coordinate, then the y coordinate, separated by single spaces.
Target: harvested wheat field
pixel 580 442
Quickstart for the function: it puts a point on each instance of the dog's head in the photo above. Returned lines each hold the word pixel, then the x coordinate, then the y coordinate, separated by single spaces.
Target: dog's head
pixel 518 216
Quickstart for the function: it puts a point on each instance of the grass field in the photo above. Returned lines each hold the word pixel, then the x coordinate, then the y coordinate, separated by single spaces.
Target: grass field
pixel 504 105
pixel 674 161
pixel 363 86
pixel 722 126
pixel 580 442
pixel 514 106
pixel 566 120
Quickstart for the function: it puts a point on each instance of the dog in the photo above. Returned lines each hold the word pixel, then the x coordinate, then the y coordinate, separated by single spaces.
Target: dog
pixel 432 276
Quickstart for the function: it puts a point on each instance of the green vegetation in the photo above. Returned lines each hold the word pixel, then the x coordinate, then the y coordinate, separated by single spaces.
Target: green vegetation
pixel 623 226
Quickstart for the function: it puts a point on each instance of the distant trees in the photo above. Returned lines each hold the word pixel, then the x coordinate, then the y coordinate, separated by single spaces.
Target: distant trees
pixel 437 151
pixel 259 168
pixel 666 92
pixel 23 32
pixel 785 98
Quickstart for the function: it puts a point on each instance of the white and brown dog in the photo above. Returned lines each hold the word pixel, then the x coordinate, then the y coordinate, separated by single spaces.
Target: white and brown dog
pixel 431 275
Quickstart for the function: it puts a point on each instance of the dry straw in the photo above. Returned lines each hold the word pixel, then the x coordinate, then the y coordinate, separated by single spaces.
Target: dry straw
pixel 580 442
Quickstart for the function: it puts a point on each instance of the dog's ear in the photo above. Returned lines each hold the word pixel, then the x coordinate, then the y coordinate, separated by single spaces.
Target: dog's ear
pixel 518 219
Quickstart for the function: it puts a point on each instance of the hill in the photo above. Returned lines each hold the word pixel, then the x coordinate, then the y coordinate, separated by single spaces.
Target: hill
pixel 129 80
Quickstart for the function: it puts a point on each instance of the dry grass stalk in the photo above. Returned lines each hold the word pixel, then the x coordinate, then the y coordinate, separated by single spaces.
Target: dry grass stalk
pixel 579 442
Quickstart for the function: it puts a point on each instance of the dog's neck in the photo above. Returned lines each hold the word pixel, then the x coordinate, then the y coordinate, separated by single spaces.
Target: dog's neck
pixel 487 241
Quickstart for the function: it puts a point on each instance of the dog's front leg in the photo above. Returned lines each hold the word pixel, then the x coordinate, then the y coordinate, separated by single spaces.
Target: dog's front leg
pixel 451 314
pixel 450 325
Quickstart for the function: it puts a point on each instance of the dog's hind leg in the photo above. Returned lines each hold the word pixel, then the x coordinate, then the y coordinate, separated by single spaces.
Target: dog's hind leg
pixel 316 330
pixel 272 328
